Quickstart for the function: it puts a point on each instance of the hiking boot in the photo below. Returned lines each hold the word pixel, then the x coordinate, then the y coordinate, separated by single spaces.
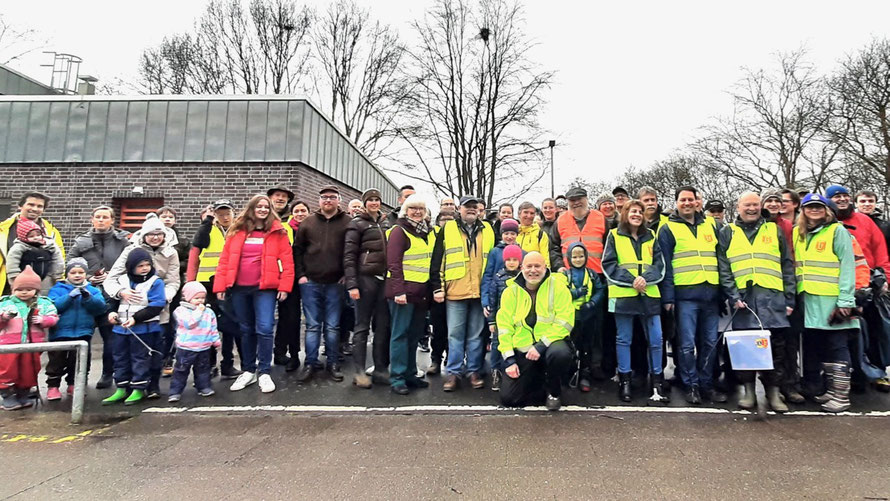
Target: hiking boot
pixel 434 368
pixel 10 402
pixel 135 397
pixel 774 397
pixel 714 396
pixel 362 381
pixel 477 381
pixel 624 391
pixel 792 395
pixel 495 380
pixel 53 394
pixel 552 403
pixel 693 396
pixel 104 382
pixel 280 360
pixel 416 382
pixel 335 372
pixel 451 383
pixel 244 380
pixel 749 399
pixel 400 389
pixel 118 396
pixel 346 349
pixel 227 373
pixel 305 374
pixel 293 365
pixel 838 388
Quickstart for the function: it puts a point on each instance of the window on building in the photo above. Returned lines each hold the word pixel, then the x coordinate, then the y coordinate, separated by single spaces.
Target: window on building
pixel 133 210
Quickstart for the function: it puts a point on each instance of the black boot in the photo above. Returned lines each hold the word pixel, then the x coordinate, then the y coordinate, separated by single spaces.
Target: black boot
pixel 657 393
pixel 624 391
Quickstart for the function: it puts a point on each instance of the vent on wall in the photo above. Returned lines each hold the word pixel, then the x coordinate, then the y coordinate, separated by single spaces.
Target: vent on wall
pixel 133 210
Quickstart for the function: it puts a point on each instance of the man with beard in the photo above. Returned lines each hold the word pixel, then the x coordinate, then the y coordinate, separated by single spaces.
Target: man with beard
pixel 649 198
pixel 862 227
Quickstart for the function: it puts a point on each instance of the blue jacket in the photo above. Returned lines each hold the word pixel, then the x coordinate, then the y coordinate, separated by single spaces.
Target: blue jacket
pixel 495 264
pixel 499 284
pixel 77 315
pixel 576 278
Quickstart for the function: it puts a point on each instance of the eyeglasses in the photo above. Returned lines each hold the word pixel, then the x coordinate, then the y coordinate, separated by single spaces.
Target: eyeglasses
pixel 416 208
pixel 329 197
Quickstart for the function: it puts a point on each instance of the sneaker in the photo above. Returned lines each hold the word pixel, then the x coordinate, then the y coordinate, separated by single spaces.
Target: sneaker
pixel 174 398
pixel 266 384
pixel 229 373
pixel 305 373
pixel 10 402
pixel 53 394
pixel 370 370
pixel 495 380
pixel 882 384
pixel 346 349
pixel 70 390
pixel 335 373
pixel 153 394
pixel 553 403
pixel 208 392
pixel 104 382
pixel 244 380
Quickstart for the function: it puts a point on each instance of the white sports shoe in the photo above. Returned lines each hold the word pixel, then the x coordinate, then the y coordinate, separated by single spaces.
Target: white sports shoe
pixel 244 380
pixel 266 384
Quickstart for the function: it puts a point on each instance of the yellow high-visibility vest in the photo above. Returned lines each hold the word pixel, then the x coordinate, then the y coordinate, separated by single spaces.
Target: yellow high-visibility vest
pixel 627 259
pixel 456 254
pixel 817 267
pixel 416 260
pixel 209 257
pixel 759 262
pixel 695 256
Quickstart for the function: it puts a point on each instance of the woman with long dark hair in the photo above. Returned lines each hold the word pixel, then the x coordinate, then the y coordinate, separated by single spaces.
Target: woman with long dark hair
pixel 257 268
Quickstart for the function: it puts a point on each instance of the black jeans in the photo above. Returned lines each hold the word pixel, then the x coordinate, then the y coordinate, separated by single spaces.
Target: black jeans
pixel 64 363
pixel 439 323
pixel 776 376
pixel 229 331
pixel 822 346
pixel 107 346
pixel 371 304
pixel 287 334
pixel 537 378
pixel 790 359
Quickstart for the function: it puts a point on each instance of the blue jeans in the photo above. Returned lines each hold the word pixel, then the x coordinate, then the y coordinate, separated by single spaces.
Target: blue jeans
pixel 625 327
pixel 132 361
pixel 697 335
pixel 465 323
pixel 495 359
pixel 408 325
pixel 191 361
pixel 322 304
pixel 255 310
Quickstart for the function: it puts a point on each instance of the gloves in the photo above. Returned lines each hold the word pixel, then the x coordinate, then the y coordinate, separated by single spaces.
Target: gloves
pixel 75 292
pixel 85 293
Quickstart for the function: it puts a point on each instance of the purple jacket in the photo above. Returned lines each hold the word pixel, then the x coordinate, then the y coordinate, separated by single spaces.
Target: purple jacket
pixel 396 285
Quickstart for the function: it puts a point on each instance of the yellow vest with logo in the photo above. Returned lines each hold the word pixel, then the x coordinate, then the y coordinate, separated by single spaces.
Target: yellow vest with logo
pixel 759 262
pixel 416 260
pixel 816 266
pixel 209 257
pixel 456 255
pixel 695 256
pixel 627 259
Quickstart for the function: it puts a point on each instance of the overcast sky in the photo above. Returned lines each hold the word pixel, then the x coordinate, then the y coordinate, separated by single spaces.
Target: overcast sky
pixel 634 80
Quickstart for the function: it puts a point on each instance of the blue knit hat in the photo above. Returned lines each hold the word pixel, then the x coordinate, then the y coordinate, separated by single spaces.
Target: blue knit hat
pixel 835 189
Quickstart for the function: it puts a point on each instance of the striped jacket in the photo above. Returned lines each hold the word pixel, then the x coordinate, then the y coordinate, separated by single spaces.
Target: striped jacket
pixel 195 329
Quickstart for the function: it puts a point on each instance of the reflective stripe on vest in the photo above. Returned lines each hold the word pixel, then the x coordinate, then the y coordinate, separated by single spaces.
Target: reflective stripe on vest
pixel 817 268
pixel 209 257
pixel 628 260
pixel 695 256
pixel 456 257
pixel 416 260
pixel 550 318
pixel 592 236
pixel 585 282
pixel 759 262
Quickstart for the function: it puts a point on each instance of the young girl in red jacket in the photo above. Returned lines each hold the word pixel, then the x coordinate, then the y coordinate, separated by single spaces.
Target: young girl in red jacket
pixel 257 268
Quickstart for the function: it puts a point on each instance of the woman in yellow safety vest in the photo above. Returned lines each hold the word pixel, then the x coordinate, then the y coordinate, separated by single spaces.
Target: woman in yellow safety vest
pixel 409 251
pixel 826 274
pixel 634 266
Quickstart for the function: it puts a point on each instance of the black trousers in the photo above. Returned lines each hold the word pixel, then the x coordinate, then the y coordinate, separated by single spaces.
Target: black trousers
pixel 791 357
pixel 64 364
pixel 287 334
pixel 107 345
pixel 371 305
pixel 582 336
pixel 537 378
pixel 775 377
pixel 229 331
pixel 439 340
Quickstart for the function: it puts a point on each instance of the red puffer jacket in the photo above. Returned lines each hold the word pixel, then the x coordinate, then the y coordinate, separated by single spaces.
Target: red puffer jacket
pixel 277 267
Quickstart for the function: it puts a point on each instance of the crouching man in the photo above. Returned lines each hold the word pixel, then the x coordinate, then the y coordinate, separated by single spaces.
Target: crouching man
pixel 534 322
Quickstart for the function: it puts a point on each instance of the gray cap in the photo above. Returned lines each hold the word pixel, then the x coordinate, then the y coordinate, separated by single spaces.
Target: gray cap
pixel 223 203
pixel 576 192
pixel 469 200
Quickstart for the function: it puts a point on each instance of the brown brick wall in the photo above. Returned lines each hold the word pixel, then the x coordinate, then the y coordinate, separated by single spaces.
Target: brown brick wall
pixel 76 188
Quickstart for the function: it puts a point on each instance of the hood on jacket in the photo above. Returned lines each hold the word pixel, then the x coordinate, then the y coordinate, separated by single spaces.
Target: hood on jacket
pixel 574 245
pixel 135 257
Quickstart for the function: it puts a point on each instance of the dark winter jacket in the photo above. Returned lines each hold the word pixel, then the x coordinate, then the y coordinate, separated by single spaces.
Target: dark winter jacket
pixel 76 314
pixel 318 247
pixel 619 276
pixel 396 285
pixel 492 268
pixel 182 249
pixel 101 250
pixel 365 248
pixel 882 224
pixel 495 289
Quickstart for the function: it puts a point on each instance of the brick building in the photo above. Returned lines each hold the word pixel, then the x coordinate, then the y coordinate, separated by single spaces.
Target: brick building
pixel 138 153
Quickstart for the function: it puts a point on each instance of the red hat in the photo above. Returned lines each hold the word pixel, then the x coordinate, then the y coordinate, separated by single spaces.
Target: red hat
pixel 27 279
pixel 512 251
pixel 25 226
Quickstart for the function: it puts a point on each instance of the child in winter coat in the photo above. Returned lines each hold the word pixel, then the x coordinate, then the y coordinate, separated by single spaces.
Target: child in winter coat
pixel 196 332
pixel 136 326
pixel 24 318
pixel 512 257
pixel 588 294
pixel 32 248
pixel 78 303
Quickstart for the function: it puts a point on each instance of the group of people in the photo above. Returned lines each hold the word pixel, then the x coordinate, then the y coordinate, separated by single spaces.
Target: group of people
pixel 563 294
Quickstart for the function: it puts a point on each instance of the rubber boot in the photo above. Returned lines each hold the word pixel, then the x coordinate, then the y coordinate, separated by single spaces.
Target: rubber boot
pixel 118 396
pixel 839 388
pixel 774 397
pixel 827 369
pixel 749 400
pixel 135 397
pixel 624 391
pixel 657 393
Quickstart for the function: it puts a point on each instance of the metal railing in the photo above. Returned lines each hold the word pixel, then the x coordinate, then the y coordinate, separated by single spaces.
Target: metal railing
pixel 80 373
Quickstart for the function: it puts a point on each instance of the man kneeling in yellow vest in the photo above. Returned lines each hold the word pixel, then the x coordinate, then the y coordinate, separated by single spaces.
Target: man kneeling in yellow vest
pixel 534 322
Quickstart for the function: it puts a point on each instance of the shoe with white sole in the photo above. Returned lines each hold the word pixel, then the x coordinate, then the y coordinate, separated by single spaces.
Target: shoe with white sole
pixel 266 384
pixel 244 380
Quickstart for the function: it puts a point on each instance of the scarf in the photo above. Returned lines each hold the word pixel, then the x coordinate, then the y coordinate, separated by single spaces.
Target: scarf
pixel 421 227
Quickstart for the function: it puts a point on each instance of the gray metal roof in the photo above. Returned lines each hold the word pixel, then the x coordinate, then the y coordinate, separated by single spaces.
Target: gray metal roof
pixel 14 83
pixel 181 129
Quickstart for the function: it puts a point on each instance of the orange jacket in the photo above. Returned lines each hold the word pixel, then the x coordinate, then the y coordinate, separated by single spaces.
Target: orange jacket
pixel 592 236
pixel 863 273
pixel 277 271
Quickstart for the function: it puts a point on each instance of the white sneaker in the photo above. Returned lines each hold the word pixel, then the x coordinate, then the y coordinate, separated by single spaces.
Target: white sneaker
pixel 266 384
pixel 244 380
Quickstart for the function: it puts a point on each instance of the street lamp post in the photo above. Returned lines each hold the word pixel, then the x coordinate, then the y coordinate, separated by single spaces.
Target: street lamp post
pixel 551 144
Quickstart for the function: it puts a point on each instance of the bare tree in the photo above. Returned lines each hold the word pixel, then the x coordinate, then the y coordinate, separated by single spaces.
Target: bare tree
pixel 774 135
pixel 364 85
pixel 476 101
pixel 16 43
pixel 860 124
